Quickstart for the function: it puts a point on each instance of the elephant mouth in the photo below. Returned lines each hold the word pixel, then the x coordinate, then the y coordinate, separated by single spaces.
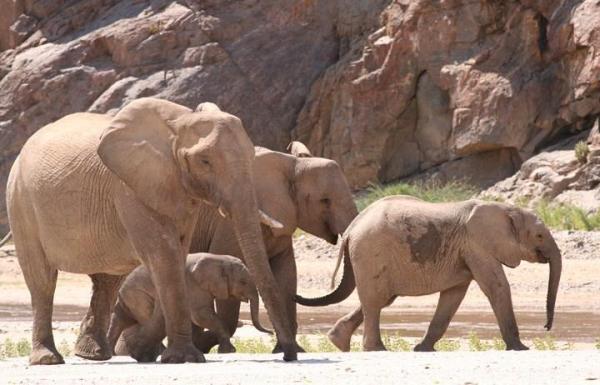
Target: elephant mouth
pixel 541 257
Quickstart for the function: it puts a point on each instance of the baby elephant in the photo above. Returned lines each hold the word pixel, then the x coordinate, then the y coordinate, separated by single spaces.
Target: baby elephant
pixel 138 315
pixel 402 246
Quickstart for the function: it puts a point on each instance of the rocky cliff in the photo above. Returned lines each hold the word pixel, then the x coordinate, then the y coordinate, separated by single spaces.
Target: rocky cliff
pixel 387 88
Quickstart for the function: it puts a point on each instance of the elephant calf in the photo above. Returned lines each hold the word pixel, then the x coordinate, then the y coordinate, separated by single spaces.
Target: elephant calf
pixel 402 246
pixel 208 277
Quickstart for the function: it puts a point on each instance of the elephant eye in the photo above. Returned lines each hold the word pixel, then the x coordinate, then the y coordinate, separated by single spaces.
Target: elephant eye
pixel 326 201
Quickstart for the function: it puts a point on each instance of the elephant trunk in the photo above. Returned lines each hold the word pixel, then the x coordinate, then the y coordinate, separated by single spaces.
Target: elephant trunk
pixel 254 314
pixel 344 289
pixel 553 281
pixel 245 218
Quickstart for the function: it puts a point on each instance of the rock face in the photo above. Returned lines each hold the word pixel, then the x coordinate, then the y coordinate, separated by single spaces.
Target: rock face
pixel 386 88
pixel 444 80
pixel 557 174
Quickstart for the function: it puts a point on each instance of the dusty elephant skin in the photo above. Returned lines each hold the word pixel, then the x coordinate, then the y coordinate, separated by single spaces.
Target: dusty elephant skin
pixel 305 192
pixel 386 255
pixel 207 277
pixel 97 195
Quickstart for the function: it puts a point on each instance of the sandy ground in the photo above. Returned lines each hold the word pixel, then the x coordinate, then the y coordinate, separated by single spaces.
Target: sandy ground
pixel 327 368
pixel 577 327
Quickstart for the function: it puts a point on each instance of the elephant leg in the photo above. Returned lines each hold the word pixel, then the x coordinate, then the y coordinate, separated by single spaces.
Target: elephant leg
pixel 120 320
pixel 341 333
pixel 229 312
pixel 205 317
pixel 92 343
pixel 144 341
pixel 40 278
pixel 372 333
pixel 495 286
pixel 158 244
pixel 284 270
pixel 447 306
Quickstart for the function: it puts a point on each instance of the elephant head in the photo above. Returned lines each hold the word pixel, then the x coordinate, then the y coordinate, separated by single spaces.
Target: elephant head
pixel 226 277
pixel 306 192
pixel 171 157
pixel 510 235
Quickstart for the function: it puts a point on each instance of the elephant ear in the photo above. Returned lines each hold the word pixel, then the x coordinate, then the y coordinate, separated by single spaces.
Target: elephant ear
pixel 211 279
pixel 299 149
pixel 272 172
pixel 137 146
pixel 495 230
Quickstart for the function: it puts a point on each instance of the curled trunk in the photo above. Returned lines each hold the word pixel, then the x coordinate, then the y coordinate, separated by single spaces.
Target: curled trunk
pixel 553 281
pixel 254 315
pixel 342 291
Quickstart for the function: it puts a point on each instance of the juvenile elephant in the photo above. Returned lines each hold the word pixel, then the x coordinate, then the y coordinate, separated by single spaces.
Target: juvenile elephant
pixel 306 192
pixel 207 276
pixel 402 246
pixel 98 195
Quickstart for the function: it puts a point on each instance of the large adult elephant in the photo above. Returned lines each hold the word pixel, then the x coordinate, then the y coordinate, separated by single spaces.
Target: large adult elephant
pixel 297 190
pixel 97 195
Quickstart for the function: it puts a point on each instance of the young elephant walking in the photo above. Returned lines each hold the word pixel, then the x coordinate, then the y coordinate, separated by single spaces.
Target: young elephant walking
pixel 208 277
pixel 402 246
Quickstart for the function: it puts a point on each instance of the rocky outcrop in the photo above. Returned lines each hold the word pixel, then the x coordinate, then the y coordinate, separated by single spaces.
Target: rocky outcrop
pixel 445 80
pixel 557 174
pixel 255 59
pixel 387 88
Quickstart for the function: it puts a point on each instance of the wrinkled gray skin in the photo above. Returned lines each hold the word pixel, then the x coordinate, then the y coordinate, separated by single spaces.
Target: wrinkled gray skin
pixel 306 192
pixel 208 277
pixel 402 246
pixel 98 195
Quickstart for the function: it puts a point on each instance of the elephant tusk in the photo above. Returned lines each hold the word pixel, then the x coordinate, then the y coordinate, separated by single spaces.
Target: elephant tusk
pixel 222 212
pixel 269 221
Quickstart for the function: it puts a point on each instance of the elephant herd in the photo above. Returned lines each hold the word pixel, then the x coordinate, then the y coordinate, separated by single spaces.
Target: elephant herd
pixel 200 217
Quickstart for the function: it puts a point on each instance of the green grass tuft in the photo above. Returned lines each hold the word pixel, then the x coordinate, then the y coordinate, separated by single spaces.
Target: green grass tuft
pixel 252 345
pixel 598 344
pixel 566 217
pixel 546 343
pixel 476 344
pixel 447 345
pixel 430 192
pixel 395 343
pixel 10 349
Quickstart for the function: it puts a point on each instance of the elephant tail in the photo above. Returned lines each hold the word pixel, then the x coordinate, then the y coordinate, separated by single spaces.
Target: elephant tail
pixel 343 290
pixel 6 239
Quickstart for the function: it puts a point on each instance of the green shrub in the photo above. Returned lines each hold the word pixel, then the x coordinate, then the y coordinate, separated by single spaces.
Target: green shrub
pixel 430 192
pixel 598 344
pixel 10 349
pixel 582 151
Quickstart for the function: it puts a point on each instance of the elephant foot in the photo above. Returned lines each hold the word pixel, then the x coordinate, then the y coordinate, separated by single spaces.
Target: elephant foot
pixel 423 347
pixel 176 354
pixel 226 347
pixel 92 347
pixel 340 339
pixel 45 356
pixel 374 347
pixel 279 349
pixel 516 346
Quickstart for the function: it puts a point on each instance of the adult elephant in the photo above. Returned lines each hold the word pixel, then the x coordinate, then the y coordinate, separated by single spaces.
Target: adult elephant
pixel 298 190
pixel 97 195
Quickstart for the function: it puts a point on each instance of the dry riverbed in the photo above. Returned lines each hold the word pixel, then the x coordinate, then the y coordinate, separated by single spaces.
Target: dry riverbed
pixel 576 329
